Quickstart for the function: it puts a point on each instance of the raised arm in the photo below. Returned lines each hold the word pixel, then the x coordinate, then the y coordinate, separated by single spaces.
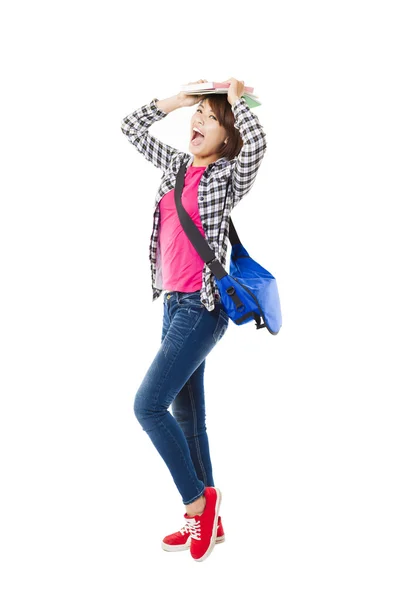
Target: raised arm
pixel 247 162
pixel 135 126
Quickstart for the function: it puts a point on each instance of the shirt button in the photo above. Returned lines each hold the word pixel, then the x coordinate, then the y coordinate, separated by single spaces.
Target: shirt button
pixel 201 198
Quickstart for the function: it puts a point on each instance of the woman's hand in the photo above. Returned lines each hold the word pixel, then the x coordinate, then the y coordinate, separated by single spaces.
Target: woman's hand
pixel 190 99
pixel 235 90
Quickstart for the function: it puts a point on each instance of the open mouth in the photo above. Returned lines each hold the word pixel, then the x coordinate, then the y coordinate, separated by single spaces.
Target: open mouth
pixel 197 138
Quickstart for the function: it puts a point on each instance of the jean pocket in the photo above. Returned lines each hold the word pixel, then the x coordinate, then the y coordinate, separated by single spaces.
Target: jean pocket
pixel 221 326
pixel 191 299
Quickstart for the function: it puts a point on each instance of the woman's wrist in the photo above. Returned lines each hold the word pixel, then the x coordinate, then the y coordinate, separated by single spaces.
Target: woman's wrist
pixel 169 104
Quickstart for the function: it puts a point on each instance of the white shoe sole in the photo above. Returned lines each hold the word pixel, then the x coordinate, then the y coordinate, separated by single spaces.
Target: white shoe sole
pixel 178 548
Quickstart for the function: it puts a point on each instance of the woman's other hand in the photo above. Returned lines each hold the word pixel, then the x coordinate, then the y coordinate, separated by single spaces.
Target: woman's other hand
pixel 190 99
pixel 235 90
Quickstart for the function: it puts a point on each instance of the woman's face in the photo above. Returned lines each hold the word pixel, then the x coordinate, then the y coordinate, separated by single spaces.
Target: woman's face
pixel 210 144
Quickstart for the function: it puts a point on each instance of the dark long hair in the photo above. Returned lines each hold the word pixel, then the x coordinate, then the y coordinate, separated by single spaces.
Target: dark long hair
pixel 223 111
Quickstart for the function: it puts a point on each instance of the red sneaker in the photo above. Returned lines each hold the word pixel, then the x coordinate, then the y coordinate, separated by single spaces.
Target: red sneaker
pixel 203 528
pixel 180 540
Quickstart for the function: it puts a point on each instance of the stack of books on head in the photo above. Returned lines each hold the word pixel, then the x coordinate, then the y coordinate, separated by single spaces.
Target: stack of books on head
pixel 213 87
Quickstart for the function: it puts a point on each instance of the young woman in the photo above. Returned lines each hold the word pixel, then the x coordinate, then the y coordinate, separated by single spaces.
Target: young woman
pixel 227 144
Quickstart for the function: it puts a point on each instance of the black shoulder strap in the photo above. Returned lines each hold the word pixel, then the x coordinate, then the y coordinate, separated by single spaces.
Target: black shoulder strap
pixel 193 233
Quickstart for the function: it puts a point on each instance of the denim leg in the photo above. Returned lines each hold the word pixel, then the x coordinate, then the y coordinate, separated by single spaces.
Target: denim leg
pixel 189 334
pixel 188 408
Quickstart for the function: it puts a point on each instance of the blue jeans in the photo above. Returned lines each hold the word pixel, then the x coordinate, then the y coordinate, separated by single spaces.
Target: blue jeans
pixel 175 378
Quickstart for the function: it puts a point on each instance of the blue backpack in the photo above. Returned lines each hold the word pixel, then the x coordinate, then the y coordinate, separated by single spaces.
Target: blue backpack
pixel 248 291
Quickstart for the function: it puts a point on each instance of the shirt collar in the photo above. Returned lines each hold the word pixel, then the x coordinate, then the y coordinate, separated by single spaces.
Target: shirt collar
pixel 221 161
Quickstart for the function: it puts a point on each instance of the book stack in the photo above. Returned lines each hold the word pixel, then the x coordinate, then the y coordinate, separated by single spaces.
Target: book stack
pixel 214 87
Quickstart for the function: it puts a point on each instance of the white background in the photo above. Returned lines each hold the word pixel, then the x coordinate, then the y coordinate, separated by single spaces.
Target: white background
pixel 303 426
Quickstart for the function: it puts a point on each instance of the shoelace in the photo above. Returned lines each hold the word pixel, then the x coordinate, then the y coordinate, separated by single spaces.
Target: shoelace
pixel 193 528
pixel 185 529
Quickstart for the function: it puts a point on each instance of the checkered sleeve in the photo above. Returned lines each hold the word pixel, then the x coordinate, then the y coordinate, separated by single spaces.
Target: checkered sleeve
pixel 135 127
pixel 247 162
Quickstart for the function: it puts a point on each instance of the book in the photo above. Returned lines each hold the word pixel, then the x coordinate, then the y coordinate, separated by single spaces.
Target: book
pixel 216 87
pixel 212 85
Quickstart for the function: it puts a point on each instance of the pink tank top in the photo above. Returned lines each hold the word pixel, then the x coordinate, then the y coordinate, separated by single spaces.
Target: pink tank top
pixel 180 263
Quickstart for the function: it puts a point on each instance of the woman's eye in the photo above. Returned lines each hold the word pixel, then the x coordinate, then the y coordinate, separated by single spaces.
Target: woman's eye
pixel 210 115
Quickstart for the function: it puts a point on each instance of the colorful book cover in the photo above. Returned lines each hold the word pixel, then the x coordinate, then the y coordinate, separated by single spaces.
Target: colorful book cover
pixel 213 87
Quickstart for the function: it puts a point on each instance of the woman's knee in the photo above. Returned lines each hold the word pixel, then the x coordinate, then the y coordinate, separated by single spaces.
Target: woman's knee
pixel 190 423
pixel 139 406
pixel 146 410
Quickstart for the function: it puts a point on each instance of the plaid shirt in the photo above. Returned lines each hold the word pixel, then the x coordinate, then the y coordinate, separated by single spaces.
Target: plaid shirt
pixel 238 174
